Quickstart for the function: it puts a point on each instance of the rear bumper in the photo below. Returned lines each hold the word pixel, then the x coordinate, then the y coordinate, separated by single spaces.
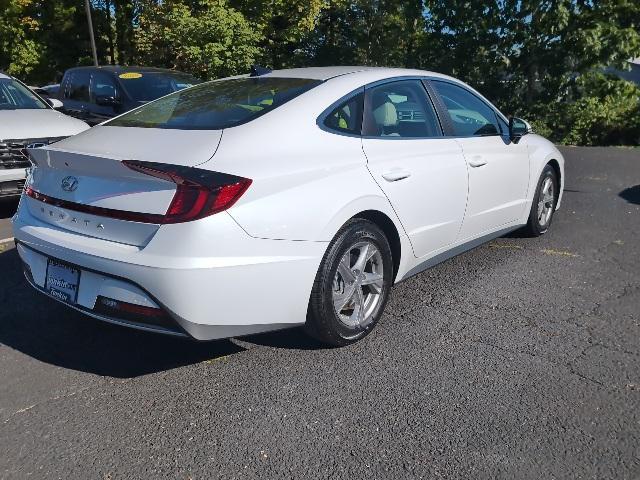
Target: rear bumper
pixel 104 318
pixel 212 279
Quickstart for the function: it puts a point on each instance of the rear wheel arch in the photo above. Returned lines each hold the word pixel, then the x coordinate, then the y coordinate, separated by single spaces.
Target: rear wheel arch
pixel 382 221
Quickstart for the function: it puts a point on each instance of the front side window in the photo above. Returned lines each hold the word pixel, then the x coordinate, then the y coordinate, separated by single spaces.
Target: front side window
pixel 399 109
pixel 78 86
pixel 347 118
pixel 216 105
pixel 470 116
pixel 15 96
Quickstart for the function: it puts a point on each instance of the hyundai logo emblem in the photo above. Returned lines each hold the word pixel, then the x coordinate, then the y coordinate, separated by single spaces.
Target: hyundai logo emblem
pixel 69 184
pixel 36 145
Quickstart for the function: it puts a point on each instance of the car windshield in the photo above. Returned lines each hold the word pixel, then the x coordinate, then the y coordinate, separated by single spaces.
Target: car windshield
pixel 147 86
pixel 15 96
pixel 216 105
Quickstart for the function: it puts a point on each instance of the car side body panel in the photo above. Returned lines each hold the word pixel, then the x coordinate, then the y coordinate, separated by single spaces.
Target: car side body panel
pixel 498 183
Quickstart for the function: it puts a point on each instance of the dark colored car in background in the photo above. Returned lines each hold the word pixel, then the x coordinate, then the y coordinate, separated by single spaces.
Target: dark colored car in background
pixel 95 94
pixel 48 91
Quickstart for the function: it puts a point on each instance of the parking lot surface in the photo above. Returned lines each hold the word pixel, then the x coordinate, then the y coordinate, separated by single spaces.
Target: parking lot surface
pixel 520 359
pixel 7 208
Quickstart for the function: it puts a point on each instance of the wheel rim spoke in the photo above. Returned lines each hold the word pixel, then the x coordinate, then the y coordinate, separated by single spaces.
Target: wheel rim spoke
pixel 341 300
pixel 364 255
pixel 344 269
pixel 374 280
pixel 358 309
pixel 540 211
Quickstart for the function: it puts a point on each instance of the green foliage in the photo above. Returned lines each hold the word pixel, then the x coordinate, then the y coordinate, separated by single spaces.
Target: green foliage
pixel 606 112
pixel 368 32
pixel 523 52
pixel 534 58
pixel 19 52
pixel 206 38
pixel 39 39
pixel 283 25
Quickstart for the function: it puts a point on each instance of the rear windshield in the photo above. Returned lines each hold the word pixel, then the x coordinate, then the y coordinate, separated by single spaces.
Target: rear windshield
pixel 216 105
pixel 147 86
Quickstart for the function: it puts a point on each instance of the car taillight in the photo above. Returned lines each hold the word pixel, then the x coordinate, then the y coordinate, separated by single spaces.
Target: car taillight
pixel 199 193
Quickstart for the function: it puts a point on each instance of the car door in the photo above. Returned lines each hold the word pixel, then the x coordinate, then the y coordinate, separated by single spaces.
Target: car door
pixel 75 94
pixel 105 98
pixel 498 168
pixel 422 173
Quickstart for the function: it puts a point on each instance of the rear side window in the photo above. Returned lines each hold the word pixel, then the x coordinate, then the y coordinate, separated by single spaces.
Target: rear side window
pixel 347 118
pixel 470 116
pixel 78 86
pixel 400 109
pixel 216 105
pixel 102 85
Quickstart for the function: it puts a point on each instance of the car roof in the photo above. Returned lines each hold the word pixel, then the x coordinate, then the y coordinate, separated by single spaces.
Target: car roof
pixel 369 73
pixel 117 69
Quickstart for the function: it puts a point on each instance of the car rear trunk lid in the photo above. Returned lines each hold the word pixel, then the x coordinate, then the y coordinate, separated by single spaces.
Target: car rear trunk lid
pixel 88 170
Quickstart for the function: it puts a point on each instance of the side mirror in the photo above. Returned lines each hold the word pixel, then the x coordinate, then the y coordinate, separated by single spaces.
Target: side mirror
pixel 518 128
pixel 107 101
pixel 55 103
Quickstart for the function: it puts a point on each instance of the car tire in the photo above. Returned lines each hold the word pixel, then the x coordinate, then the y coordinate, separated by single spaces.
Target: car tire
pixel 544 203
pixel 356 272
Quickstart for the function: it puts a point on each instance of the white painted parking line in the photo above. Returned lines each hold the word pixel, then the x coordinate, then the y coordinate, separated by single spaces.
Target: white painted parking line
pixel 6 240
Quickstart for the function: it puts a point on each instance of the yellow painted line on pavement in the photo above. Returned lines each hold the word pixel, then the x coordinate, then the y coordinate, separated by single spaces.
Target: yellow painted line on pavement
pixel 506 245
pixel 560 253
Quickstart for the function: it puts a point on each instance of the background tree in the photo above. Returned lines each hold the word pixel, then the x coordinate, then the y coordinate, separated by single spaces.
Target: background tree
pixel 526 52
pixel 207 38
pixel 368 32
pixel 541 59
pixel 20 53
pixel 283 27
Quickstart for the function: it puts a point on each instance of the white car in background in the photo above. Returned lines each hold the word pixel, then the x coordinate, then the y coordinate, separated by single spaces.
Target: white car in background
pixel 279 199
pixel 27 121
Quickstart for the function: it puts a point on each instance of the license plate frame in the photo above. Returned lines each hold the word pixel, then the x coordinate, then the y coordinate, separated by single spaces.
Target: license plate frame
pixel 62 281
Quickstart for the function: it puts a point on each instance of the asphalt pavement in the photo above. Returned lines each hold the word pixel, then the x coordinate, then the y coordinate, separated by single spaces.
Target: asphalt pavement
pixel 7 209
pixel 519 359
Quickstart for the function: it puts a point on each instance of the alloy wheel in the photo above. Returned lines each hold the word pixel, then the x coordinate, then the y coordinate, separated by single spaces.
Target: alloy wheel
pixel 546 202
pixel 358 285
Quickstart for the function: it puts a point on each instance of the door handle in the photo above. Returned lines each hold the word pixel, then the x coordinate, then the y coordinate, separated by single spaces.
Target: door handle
pixel 395 175
pixel 477 161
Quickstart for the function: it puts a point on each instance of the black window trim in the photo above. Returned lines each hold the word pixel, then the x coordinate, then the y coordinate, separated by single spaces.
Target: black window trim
pixel 497 113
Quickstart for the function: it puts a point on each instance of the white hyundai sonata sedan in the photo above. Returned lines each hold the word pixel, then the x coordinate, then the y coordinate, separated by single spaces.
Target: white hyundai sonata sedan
pixel 292 197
